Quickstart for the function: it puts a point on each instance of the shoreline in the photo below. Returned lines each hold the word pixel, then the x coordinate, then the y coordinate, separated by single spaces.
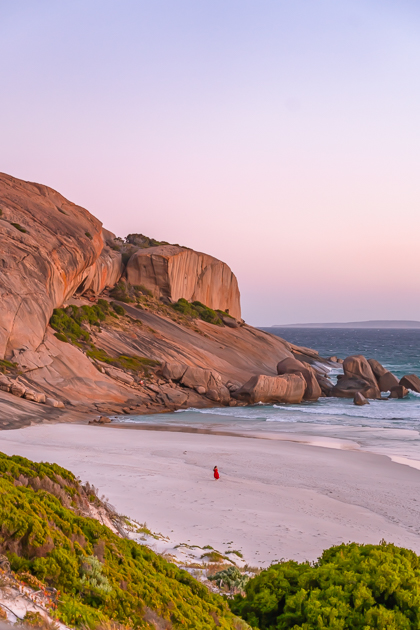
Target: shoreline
pixel 276 497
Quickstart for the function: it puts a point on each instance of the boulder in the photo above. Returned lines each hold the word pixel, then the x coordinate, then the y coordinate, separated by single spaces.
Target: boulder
pixel 196 377
pixel 411 381
pixel 325 384
pixel 385 379
pixel 398 391
pixel 5 383
pixel 357 367
pixel 176 397
pixel 230 322
pixel 347 387
pixel 52 402
pixel 17 389
pixel 288 388
pixel 359 399
pixel 172 272
pixel 293 366
pixel 200 390
pixel 173 371
pixel 221 394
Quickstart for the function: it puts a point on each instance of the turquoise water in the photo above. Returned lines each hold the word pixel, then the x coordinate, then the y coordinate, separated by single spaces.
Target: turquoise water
pixel 390 427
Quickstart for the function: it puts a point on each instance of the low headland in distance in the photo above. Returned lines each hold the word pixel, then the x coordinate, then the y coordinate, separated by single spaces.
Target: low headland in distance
pixel 372 323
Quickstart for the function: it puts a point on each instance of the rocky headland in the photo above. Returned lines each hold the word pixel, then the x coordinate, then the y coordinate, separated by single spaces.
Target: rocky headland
pixel 92 323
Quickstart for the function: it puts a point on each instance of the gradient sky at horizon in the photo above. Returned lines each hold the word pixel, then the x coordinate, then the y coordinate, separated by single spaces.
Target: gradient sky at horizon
pixel 282 137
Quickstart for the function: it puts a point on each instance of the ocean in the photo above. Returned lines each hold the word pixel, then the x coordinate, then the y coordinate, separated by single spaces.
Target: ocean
pixel 388 427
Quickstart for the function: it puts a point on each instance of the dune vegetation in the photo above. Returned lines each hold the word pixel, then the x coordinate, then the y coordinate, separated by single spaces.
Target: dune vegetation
pixel 354 587
pixel 102 577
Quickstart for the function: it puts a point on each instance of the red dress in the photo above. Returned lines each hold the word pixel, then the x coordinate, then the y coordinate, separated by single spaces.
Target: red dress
pixel 216 473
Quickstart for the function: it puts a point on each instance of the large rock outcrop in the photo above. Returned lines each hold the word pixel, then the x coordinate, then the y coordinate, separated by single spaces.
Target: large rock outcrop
pixel 288 388
pixel 386 380
pixel 49 247
pixel 358 377
pixel 293 366
pixel 173 272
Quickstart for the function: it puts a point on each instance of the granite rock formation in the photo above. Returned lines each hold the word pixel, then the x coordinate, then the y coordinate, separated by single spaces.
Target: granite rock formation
pixel 288 388
pixel 172 272
pixel 293 366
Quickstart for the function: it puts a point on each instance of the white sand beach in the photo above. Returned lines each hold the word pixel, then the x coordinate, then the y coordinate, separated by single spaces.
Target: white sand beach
pixel 275 499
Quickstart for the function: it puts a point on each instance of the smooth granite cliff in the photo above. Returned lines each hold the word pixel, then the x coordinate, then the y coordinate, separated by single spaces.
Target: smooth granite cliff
pixel 90 322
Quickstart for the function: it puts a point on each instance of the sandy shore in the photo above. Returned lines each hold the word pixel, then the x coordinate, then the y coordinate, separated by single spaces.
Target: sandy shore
pixel 275 499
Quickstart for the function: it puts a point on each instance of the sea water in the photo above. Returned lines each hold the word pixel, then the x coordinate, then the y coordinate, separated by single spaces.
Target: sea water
pixel 390 427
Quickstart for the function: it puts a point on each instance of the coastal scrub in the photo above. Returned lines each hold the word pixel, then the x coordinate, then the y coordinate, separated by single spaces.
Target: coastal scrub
pixel 102 578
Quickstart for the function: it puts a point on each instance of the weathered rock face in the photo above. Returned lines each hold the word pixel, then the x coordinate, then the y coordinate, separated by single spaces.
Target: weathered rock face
pixel 349 386
pixel 293 366
pixel 289 388
pixel 44 257
pixel 386 380
pixel 359 399
pixel 411 381
pixel 105 272
pixel 399 391
pixel 173 272
pixel 357 367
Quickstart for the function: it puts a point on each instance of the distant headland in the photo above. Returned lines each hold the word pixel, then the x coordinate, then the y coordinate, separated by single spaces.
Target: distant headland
pixel 374 323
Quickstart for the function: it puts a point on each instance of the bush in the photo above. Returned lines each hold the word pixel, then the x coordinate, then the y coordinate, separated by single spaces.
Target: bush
pixel 197 310
pixel 357 587
pixel 118 308
pixel 42 536
pixel 19 227
pixel 89 235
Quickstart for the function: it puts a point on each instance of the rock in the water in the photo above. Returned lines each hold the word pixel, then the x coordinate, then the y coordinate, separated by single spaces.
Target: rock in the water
pixel 173 272
pixel 358 377
pixel 347 387
pixel 51 402
pixel 356 366
pixel 411 381
pixel 288 388
pixel 386 380
pixel 359 399
pixel 325 384
pixel 398 391
pixel 293 366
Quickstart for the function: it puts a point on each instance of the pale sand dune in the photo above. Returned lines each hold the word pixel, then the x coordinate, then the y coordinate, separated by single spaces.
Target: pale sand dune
pixel 274 499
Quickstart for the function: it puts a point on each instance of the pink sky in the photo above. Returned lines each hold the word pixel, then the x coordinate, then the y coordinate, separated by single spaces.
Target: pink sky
pixel 280 137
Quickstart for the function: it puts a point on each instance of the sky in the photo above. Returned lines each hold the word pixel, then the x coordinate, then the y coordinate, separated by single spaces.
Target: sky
pixel 281 137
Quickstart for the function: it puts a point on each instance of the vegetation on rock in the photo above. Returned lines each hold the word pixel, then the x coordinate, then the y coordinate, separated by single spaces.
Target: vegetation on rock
pixel 102 578
pixel 70 325
pixel 354 587
pixel 198 310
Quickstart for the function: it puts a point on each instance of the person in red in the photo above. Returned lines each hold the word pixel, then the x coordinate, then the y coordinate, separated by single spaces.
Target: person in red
pixel 216 472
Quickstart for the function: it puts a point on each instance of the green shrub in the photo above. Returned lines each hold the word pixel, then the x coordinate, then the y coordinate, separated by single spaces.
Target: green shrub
pixel 43 536
pixel 89 235
pixel 7 366
pixel 121 293
pixel 231 578
pixel 140 288
pixel 197 310
pixel 118 308
pixel 19 227
pixel 357 587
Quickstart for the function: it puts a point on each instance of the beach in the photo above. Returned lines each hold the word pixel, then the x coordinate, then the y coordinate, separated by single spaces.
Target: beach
pixel 277 497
